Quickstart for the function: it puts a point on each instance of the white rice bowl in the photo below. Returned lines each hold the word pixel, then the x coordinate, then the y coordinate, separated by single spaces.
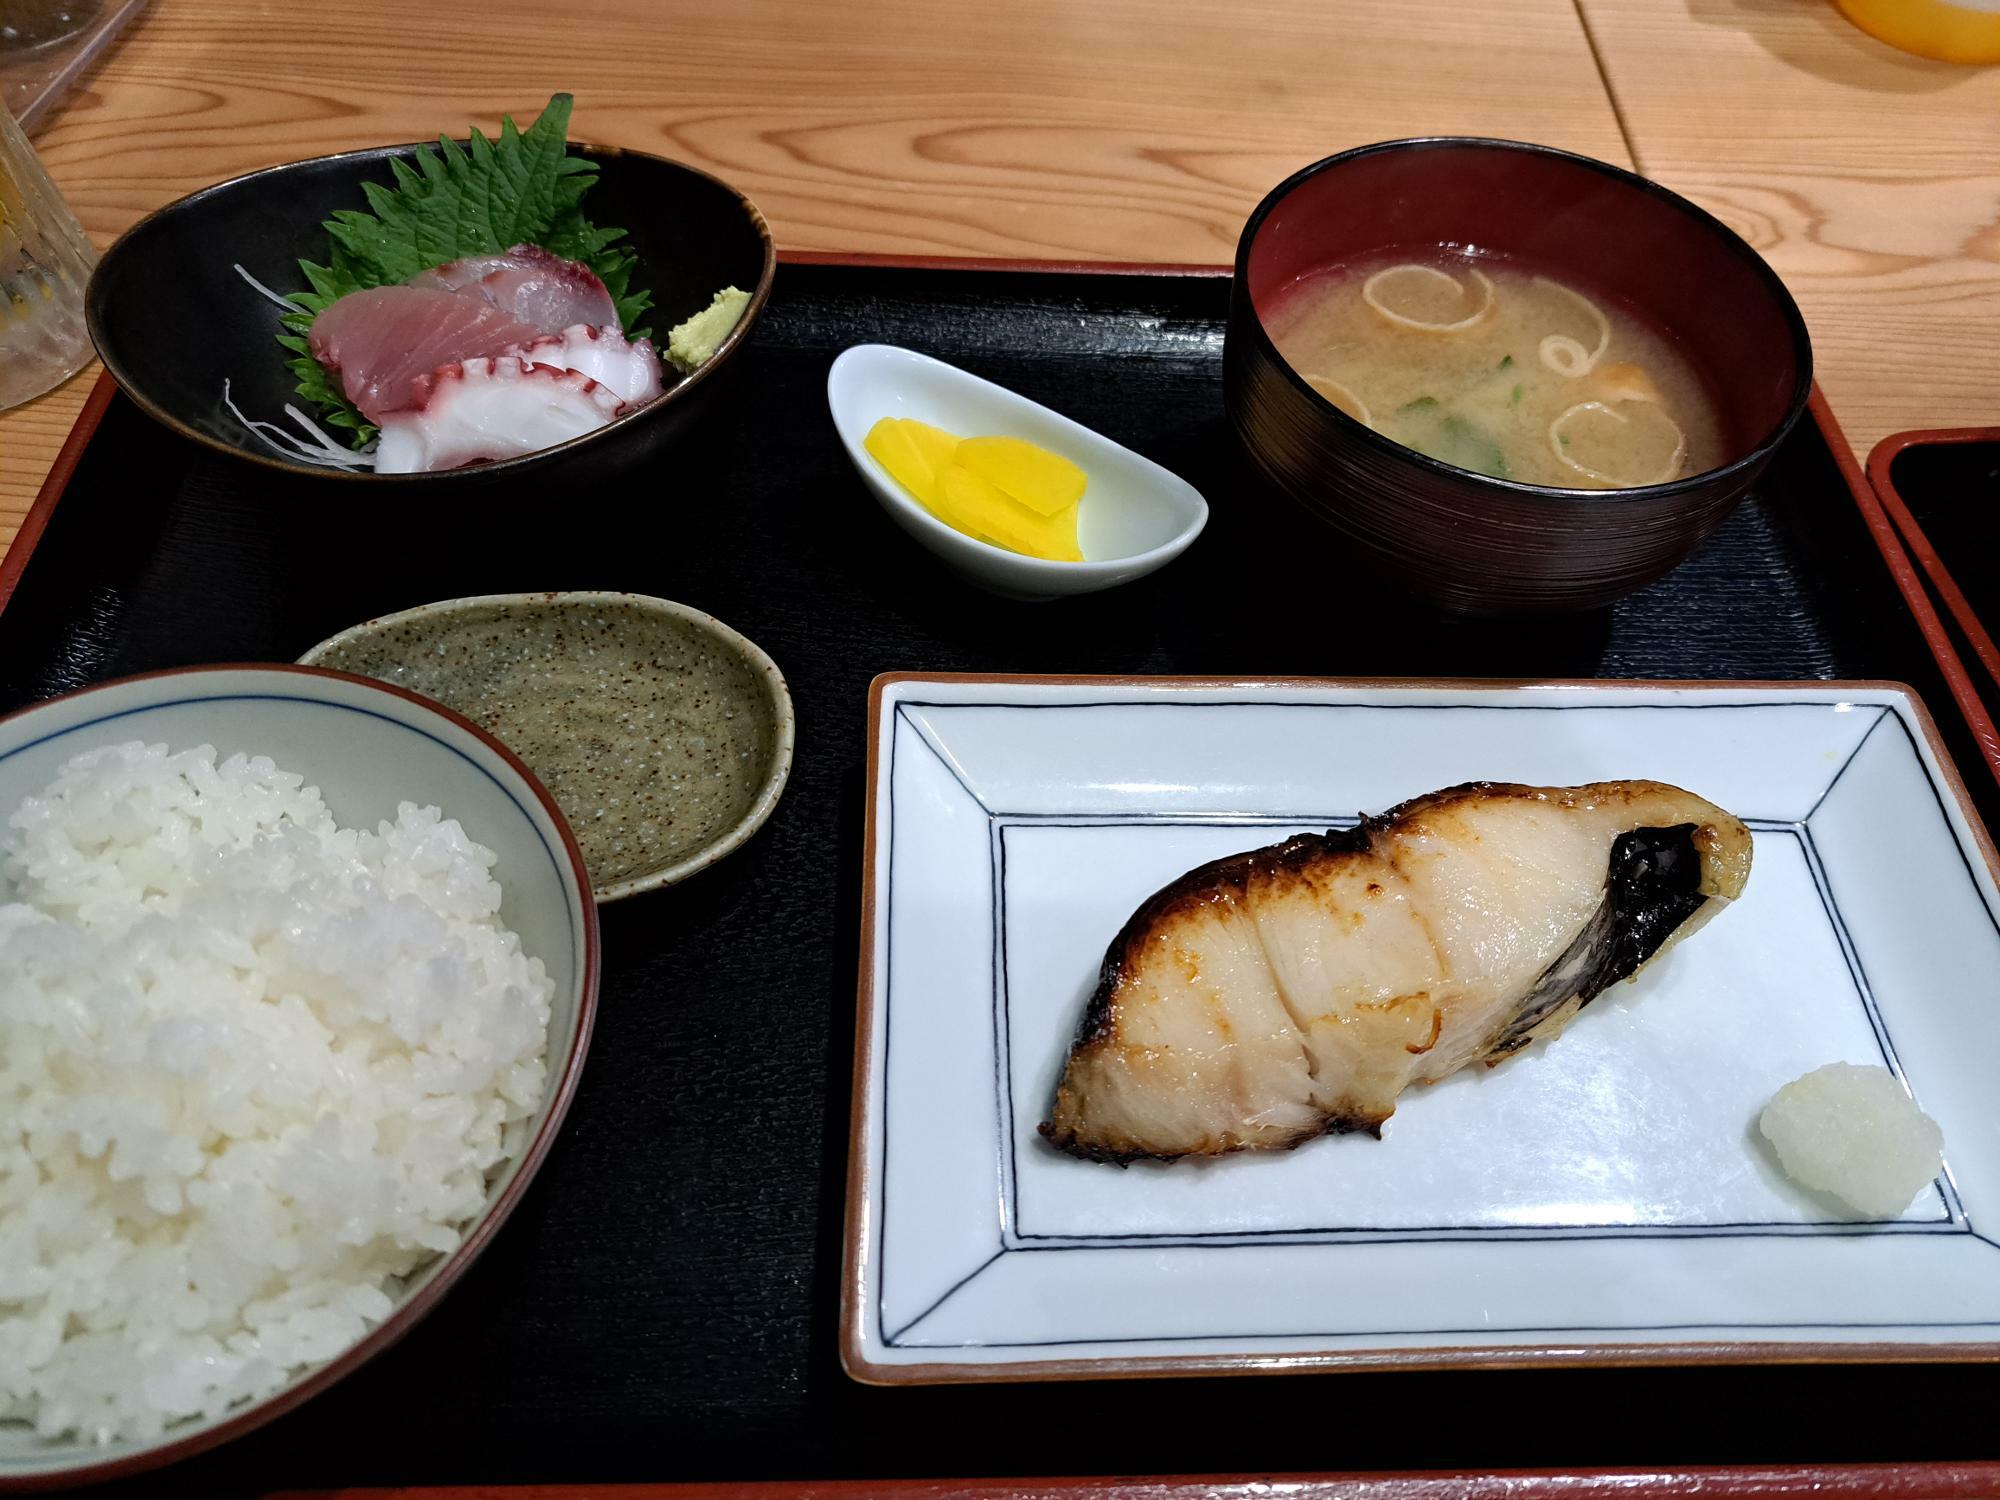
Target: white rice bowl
pixel 254 1070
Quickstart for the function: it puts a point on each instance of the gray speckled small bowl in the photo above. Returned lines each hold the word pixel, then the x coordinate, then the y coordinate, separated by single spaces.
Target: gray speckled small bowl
pixel 663 735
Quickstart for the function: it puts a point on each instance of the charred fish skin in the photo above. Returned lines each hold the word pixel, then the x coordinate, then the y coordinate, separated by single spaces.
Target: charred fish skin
pixel 1270 997
pixel 1653 885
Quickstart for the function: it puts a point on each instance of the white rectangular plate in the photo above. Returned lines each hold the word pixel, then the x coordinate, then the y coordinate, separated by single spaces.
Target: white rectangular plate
pixel 1600 1199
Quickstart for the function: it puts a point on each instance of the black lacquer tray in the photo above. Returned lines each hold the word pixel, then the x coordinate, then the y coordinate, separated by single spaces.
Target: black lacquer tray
pixel 1941 490
pixel 663 1304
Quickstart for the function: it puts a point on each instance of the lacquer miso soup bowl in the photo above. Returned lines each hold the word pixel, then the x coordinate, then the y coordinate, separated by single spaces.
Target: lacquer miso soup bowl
pixel 1468 541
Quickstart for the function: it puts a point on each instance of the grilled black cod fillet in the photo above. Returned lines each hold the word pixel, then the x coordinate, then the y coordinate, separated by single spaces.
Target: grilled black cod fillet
pixel 1297 990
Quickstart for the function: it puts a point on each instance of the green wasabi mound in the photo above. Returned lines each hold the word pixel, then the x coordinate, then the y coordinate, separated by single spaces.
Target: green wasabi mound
pixel 692 344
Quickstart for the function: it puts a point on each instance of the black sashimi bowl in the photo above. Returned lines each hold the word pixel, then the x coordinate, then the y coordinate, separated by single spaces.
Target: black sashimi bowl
pixel 173 319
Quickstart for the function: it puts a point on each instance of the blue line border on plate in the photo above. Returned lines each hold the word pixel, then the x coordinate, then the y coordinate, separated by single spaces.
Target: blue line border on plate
pixel 888 989
pixel 899 714
pixel 1404 1333
pixel 1953 1220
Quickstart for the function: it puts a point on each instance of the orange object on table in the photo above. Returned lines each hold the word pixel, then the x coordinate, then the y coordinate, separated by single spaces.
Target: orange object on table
pixel 1964 31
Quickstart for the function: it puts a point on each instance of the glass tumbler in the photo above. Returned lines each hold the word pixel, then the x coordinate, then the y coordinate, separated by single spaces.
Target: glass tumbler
pixel 45 261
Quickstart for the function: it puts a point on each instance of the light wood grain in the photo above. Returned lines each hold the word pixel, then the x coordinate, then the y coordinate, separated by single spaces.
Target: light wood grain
pixel 1869 178
pixel 1106 130
pixel 30 435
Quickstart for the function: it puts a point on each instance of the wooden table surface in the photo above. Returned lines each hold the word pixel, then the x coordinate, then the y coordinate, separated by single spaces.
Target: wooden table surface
pixel 1869 178
pixel 1119 130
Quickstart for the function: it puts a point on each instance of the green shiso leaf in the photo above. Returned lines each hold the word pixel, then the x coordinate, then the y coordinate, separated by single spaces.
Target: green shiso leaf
pixel 480 199
pixel 316 385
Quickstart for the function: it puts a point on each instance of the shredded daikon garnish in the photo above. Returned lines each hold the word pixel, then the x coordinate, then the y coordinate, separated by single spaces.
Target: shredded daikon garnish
pixel 322 450
pixel 268 294
pixel 1371 296
pixel 316 447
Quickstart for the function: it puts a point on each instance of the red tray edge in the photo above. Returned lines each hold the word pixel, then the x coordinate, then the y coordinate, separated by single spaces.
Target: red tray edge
pixel 1880 463
pixel 36 521
pixel 1825 1482
pixel 1877 501
pixel 896 262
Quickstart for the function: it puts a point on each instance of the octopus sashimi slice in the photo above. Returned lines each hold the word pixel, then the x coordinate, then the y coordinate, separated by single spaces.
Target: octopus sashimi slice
pixel 533 285
pixel 1297 990
pixel 629 369
pixel 385 342
pixel 487 409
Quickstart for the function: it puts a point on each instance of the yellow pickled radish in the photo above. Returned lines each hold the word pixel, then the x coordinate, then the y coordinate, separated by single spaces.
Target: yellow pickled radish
pixel 1045 482
pixel 1000 490
pixel 971 503
pixel 936 445
pixel 897 450
pixel 1065 522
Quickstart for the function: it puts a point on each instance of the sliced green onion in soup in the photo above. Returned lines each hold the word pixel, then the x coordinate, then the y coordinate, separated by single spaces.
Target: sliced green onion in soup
pixel 1433 429
pixel 1425 298
pixel 1610 447
pixel 1565 355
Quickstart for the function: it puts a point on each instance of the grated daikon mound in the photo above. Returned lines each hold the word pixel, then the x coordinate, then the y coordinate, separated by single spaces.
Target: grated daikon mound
pixel 254 1068
pixel 1855 1133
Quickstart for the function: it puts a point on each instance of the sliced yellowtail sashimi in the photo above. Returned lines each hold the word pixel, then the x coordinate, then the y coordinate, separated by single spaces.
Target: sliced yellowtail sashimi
pixel 1422 297
pixel 1297 990
pixel 629 369
pixel 385 342
pixel 534 285
pixel 489 409
pixel 1623 449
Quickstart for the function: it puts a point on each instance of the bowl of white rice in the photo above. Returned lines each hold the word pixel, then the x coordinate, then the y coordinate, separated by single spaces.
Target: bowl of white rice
pixel 297 972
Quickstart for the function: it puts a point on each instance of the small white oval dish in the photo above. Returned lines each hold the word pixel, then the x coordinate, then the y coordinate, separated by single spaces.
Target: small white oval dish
pixel 1136 516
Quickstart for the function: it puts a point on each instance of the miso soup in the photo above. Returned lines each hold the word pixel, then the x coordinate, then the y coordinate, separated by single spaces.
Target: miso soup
pixel 1496 368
